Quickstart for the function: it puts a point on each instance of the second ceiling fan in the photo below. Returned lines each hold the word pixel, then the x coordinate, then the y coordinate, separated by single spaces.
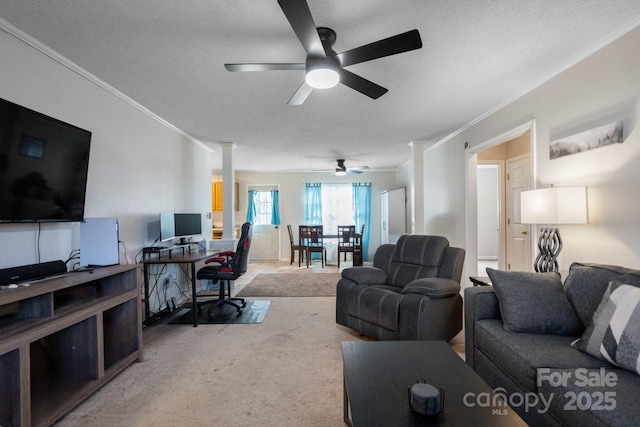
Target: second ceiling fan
pixel 341 169
pixel 324 67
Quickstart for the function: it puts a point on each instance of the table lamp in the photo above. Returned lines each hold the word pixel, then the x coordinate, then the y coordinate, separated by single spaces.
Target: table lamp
pixel 552 206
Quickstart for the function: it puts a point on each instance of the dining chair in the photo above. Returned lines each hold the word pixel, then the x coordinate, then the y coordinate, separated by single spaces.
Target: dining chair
pixel 303 238
pixel 346 240
pixel 358 259
pixel 295 247
pixel 315 243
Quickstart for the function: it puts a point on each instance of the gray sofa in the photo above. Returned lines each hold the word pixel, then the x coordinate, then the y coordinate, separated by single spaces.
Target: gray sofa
pixel 412 291
pixel 521 337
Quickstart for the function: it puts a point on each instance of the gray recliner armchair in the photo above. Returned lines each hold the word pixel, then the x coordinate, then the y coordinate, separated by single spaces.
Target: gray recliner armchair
pixel 412 292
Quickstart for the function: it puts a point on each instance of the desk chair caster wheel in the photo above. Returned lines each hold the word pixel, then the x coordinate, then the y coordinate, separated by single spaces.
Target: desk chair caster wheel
pixel 239 307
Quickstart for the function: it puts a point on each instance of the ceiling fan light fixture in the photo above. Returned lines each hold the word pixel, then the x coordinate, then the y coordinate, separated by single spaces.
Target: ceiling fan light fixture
pixel 322 74
pixel 340 172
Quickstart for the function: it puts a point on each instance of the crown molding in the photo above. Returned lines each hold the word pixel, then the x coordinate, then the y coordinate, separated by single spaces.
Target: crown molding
pixel 72 66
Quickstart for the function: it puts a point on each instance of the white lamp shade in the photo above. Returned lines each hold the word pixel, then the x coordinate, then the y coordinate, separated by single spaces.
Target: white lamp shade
pixel 554 205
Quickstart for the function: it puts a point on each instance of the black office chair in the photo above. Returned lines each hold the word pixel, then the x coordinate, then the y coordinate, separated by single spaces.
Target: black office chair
pixel 230 266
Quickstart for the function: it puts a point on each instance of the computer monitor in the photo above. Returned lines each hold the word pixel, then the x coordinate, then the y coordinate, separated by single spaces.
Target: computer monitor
pixel 167 226
pixel 182 225
pixel 187 225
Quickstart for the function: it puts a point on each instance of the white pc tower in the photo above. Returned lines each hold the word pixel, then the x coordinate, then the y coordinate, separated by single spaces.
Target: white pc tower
pixel 99 242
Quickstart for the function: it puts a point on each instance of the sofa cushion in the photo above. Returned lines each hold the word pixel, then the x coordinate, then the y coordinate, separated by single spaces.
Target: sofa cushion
pixel 614 333
pixel 586 283
pixel 415 257
pixel 534 303
pixel 520 355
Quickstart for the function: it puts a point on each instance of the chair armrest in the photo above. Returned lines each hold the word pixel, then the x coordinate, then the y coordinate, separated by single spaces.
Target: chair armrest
pixel 433 287
pixel 480 302
pixel 365 275
pixel 221 258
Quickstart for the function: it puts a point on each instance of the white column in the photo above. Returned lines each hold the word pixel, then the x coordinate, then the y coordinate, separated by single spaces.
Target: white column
pixel 228 193
pixel 417 186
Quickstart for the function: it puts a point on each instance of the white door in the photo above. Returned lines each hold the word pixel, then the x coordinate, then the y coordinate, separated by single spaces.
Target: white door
pixel 384 217
pixel 392 215
pixel 265 243
pixel 518 240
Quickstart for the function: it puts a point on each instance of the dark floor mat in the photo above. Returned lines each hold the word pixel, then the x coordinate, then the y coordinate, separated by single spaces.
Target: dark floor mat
pixel 253 312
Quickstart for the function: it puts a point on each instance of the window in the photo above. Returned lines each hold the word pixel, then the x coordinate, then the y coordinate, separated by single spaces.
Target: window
pixel 263 202
pixel 337 206
pixel 263 207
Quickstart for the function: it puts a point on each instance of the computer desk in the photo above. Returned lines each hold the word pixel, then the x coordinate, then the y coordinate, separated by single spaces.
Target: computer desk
pixel 191 257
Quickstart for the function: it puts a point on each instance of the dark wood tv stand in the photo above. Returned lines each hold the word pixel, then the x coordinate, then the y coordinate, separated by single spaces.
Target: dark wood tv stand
pixel 62 338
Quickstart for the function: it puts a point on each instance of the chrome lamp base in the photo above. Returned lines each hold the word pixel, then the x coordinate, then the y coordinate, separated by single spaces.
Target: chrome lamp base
pixel 549 246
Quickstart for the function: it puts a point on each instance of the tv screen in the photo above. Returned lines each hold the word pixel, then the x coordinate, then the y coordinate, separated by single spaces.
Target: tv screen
pixel 43 167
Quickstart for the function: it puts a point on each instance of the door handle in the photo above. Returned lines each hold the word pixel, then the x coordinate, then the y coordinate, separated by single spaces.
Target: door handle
pixel 523 232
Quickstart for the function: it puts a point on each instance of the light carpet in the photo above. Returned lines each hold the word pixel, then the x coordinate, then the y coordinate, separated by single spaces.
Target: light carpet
pixel 303 284
pixel 286 371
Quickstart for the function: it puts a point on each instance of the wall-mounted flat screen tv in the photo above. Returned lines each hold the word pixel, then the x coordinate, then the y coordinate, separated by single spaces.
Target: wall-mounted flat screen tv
pixel 43 167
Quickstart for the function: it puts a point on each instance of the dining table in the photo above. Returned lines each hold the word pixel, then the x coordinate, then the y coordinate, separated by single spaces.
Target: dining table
pixel 333 238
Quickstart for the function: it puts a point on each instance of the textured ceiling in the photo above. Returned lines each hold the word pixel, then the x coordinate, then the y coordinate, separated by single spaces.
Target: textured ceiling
pixel 168 56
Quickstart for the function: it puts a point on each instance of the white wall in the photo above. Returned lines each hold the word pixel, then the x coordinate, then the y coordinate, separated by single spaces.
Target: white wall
pixel 292 187
pixel 138 166
pixel 602 88
pixel 444 192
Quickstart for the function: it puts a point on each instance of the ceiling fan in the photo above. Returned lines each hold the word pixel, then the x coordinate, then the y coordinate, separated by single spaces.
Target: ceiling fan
pixel 323 66
pixel 342 170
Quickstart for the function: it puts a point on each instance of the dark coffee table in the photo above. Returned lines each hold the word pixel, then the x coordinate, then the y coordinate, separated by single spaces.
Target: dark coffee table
pixel 377 376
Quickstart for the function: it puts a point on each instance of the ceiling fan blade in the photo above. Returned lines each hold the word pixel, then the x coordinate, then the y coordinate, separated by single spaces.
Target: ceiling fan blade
pixel 362 85
pixel 301 94
pixel 355 171
pixel 299 16
pixel 359 168
pixel 390 46
pixel 265 67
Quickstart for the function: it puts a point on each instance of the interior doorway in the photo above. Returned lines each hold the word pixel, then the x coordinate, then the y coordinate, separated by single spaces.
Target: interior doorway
pixel 498 170
pixel 490 208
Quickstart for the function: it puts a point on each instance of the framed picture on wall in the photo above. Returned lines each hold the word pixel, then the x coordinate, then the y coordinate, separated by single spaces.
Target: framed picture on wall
pixel 610 133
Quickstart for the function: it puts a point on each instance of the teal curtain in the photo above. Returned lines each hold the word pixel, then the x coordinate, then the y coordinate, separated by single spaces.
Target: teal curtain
pixel 362 213
pixel 275 208
pixel 251 206
pixel 313 204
